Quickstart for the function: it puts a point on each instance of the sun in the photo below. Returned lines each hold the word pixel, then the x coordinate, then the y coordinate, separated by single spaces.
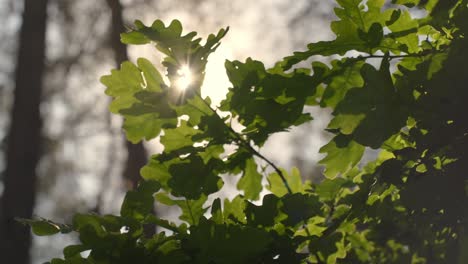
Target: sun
pixel 215 83
pixel 185 78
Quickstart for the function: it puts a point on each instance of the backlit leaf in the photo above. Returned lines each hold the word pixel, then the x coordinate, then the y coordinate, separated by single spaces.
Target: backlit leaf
pixel 251 181
pixel 342 155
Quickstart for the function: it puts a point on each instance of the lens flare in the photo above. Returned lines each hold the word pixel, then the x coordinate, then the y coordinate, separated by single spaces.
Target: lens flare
pixel 185 78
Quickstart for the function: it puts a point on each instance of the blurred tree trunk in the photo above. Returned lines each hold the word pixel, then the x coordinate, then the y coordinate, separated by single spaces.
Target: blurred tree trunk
pixel 136 153
pixel 23 145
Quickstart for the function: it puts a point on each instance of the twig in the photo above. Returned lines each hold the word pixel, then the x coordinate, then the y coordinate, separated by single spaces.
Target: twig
pixel 244 143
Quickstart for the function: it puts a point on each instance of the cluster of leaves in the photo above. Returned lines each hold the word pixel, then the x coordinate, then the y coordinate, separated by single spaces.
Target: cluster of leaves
pixel 402 90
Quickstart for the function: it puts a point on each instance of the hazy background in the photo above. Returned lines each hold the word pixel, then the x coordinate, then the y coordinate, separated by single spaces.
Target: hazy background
pixel 83 155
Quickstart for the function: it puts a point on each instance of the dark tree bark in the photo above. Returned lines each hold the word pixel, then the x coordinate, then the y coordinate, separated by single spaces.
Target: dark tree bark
pixel 136 153
pixel 137 156
pixel 23 145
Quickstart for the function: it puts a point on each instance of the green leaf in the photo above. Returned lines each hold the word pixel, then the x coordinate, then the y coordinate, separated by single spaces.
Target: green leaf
pixel 122 84
pixel 179 137
pixel 374 36
pixel 211 152
pixel 41 227
pixel 157 171
pixel 328 189
pixel 152 78
pixel 264 214
pixel 191 178
pixel 300 207
pixel 408 3
pixel 215 130
pixel 180 49
pixel 354 18
pixel 216 211
pixel 266 103
pixel 251 181
pixel 163 223
pixel 134 37
pixel 195 107
pixel 131 85
pixel 383 106
pixel 140 93
pixel 214 243
pixel 91 230
pixel 330 247
pixel 157 32
pixel 235 210
pixel 294 180
pixel 437 63
pixel 395 16
pixel 73 250
pixel 346 75
pixel 73 260
pixel 404 30
pixel 343 154
pixel 345 124
pixel 140 202
pixel 192 210
pixel 145 126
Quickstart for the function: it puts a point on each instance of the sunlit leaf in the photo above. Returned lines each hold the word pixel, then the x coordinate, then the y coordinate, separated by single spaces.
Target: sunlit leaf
pixel 342 155
pixel 251 181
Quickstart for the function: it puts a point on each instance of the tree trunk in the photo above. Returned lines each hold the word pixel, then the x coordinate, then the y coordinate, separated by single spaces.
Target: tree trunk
pixel 137 156
pixel 136 153
pixel 23 145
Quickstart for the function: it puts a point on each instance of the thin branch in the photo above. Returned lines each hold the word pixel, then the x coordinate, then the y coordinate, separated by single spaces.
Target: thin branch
pixel 277 170
pixel 243 143
pixel 410 55
pixel 390 56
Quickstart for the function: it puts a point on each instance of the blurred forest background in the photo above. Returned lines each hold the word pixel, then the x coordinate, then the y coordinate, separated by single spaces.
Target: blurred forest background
pixel 61 151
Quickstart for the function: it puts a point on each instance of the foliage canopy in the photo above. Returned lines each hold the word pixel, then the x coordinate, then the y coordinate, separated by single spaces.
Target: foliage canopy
pixel 394 83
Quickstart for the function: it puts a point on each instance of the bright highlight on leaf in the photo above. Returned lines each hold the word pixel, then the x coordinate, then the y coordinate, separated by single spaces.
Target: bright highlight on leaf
pixel 185 78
